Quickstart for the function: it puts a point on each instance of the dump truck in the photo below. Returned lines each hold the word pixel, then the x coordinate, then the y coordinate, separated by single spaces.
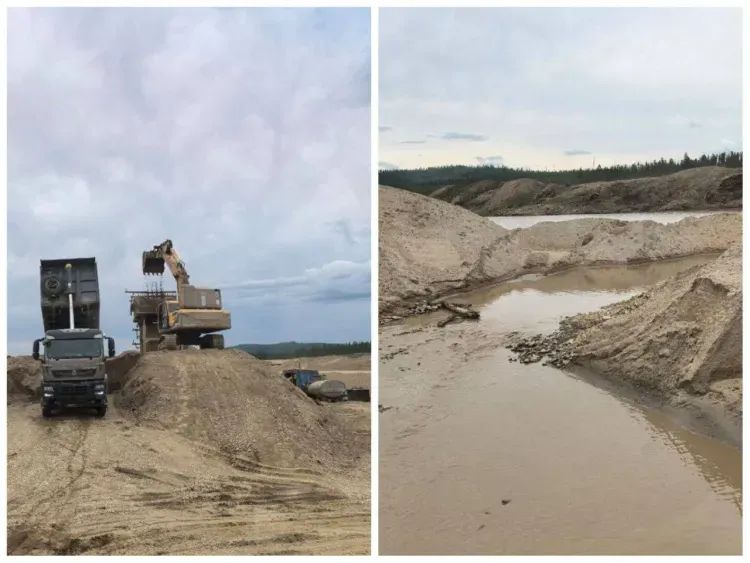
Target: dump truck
pixel 317 386
pixel 190 316
pixel 72 352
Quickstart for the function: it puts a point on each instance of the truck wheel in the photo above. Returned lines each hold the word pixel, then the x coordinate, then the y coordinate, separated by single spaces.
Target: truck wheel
pixel 101 412
pixel 46 411
pixel 52 286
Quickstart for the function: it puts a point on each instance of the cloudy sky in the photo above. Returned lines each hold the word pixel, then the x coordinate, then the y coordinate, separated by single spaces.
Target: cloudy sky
pixel 241 134
pixel 559 87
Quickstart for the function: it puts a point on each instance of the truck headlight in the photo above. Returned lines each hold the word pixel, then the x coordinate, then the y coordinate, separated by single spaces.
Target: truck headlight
pixel 99 387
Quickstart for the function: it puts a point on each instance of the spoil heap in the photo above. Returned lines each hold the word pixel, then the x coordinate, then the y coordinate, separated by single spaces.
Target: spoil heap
pixel 429 248
pixel 682 336
pixel 234 401
pixel 24 377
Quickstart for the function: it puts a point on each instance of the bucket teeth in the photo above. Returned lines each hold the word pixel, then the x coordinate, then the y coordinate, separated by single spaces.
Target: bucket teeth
pixel 152 263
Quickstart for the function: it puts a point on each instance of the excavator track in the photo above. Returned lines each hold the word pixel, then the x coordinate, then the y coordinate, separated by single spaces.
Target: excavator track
pixel 168 342
pixel 213 341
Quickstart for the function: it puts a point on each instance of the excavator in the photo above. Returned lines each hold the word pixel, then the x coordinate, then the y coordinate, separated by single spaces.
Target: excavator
pixel 197 313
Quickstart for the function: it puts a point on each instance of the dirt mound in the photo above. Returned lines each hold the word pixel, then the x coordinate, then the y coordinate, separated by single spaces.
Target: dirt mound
pixel 705 188
pixel 24 378
pixel 234 401
pixel 683 335
pixel 429 248
pixel 119 367
pixel 427 245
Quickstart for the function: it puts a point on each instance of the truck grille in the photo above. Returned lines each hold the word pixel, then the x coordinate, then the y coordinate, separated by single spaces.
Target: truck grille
pixel 73 389
pixel 78 372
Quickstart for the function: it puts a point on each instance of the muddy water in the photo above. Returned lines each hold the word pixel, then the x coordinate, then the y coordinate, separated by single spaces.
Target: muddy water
pixel 523 221
pixel 482 456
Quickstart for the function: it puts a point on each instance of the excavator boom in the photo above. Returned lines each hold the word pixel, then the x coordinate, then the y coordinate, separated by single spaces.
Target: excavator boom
pixel 154 260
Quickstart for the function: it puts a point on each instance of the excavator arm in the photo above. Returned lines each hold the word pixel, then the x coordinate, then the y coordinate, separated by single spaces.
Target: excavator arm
pixel 154 260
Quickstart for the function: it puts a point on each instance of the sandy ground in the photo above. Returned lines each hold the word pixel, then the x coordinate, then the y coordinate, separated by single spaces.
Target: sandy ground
pixel 430 248
pixel 353 362
pixel 353 370
pixel 484 454
pixel 202 452
pixel 709 187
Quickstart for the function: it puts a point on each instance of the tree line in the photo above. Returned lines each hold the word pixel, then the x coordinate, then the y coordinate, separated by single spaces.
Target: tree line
pixel 427 180
pixel 286 350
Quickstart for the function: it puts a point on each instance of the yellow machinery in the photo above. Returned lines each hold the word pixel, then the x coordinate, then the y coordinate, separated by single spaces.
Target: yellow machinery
pixel 189 317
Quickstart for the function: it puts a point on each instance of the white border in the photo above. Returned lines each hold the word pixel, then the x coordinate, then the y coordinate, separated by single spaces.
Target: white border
pixel 374 29
pixel 4 266
pixel 374 334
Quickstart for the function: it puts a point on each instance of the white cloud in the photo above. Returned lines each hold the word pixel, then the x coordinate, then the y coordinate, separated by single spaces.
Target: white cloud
pixel 625 83
pixel 340 280
pixel 490 160
pixel 126 127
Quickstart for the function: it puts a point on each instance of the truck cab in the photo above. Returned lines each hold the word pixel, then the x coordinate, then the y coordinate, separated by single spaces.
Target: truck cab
pixel 304 377
pixel 74 369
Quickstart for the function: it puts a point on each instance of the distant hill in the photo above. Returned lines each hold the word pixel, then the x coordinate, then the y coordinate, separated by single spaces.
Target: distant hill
pixel 427 180
pixel 696 189
pixel 284 350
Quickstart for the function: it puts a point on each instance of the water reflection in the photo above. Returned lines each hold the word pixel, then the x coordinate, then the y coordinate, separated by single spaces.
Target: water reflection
pixel 525 221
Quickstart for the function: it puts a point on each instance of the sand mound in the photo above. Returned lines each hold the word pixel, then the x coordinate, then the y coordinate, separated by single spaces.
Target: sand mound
pixel 24 378
pixel 685 333
pixel 708 187
pixel 232 400
pixel 119 367
pixel 427 245
pixel 429 248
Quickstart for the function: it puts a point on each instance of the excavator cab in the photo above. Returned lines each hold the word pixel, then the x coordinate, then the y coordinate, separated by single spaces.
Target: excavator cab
pixel 167 309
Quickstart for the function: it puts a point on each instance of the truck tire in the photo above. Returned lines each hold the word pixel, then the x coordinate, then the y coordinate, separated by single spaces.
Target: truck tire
pixel 52 286
pixel 47 411
pixel 101 412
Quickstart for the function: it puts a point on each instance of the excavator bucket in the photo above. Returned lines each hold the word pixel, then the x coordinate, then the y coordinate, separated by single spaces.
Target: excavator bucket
pixel 153 263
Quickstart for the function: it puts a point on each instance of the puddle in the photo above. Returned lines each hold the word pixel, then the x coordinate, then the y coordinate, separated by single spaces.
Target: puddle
pixel 585 472
pixel 538 303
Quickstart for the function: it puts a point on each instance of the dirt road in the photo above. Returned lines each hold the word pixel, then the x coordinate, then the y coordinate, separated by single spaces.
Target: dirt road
pixel 176 469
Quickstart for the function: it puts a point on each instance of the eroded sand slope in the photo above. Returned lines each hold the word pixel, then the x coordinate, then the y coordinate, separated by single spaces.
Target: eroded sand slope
pixel 429 248
pixel 682 338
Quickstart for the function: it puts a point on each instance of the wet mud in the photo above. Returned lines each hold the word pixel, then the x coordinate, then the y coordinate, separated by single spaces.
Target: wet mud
pixel 487 456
